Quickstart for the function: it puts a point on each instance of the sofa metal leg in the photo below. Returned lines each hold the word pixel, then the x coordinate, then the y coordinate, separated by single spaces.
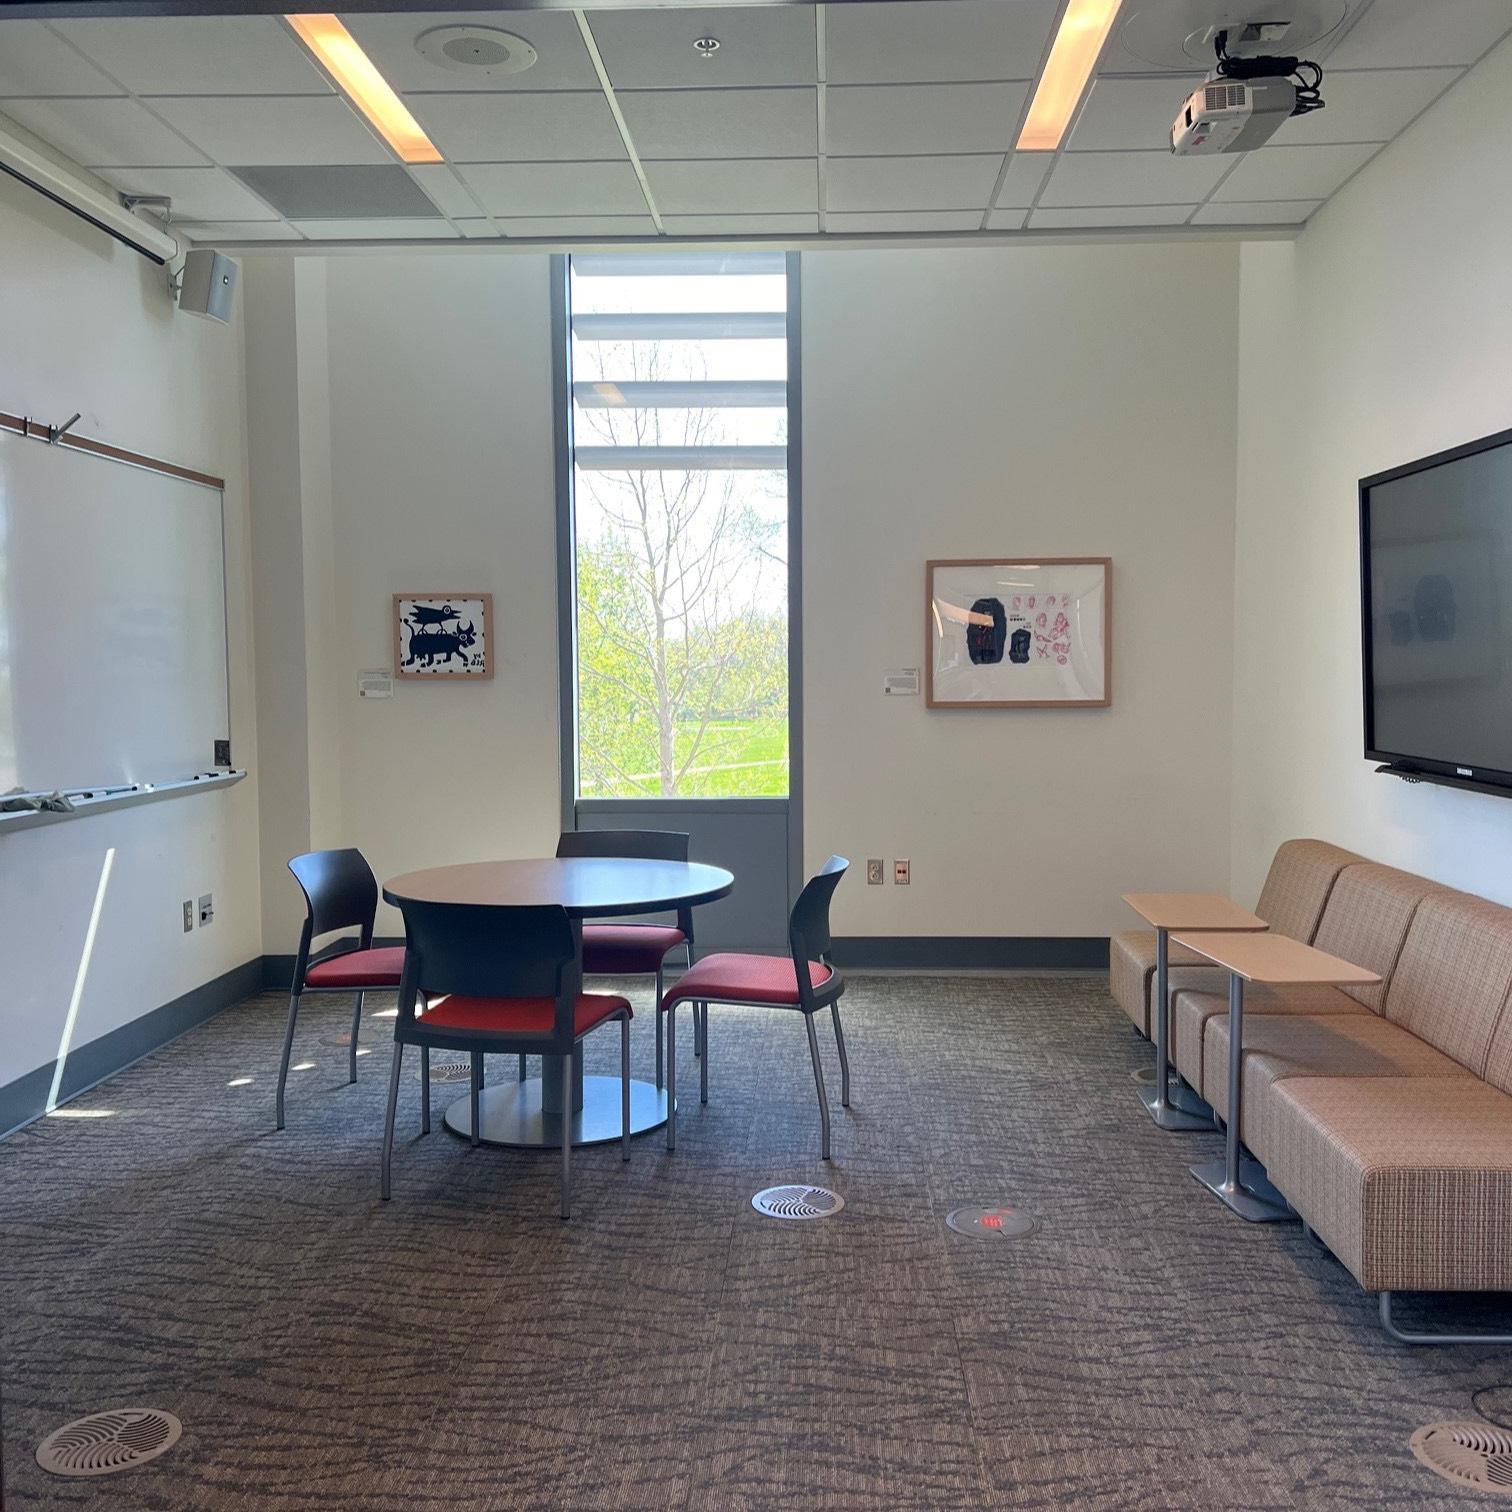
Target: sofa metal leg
pixel 1405 1336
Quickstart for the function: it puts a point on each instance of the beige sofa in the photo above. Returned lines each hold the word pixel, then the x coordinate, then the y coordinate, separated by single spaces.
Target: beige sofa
pixel 1382 1113
pixel 1291 902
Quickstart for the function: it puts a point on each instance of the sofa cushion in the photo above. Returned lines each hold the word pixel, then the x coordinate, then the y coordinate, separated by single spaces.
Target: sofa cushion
pixel 1131 973
pixel 1279 1045
pixel 1301 876
pixel 1407 1179
pixel 1191 1013
pixel 1366 921
pixel 1451 983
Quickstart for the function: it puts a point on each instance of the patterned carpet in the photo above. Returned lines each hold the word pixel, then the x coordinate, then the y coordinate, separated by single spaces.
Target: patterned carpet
pixel 461 1347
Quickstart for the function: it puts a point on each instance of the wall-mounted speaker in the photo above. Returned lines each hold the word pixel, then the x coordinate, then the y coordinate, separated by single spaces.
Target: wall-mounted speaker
pixel 208 284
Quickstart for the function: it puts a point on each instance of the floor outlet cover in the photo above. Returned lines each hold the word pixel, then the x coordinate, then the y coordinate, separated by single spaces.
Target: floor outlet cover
pixel 990 1222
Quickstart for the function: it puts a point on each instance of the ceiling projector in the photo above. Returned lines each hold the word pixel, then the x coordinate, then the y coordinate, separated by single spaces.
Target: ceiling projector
pixel 1243 104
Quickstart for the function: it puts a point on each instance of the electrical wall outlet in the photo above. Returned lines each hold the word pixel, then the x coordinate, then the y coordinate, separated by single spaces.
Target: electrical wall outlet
pixel 900 873
pixel 206 910
pixel 188 914
pixel 875 874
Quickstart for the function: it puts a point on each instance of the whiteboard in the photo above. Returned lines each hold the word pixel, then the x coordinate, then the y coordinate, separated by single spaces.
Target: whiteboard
pixel 112 621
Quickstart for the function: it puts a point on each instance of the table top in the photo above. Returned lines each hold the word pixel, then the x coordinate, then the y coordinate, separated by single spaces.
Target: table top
pixel 1276 959
pixel 1192 911
pixel 584 885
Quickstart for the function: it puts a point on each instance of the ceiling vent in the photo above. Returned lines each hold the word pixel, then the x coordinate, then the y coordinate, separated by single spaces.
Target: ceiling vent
pixel 485 51
pixel 378 191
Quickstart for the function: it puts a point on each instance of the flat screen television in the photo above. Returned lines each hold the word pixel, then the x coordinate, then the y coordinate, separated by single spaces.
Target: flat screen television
pixel 1436 612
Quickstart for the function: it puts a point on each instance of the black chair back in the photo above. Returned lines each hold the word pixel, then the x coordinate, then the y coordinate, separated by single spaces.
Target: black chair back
pixel 484 950
pixel 638 845
pixel 809 922
pixel 340 892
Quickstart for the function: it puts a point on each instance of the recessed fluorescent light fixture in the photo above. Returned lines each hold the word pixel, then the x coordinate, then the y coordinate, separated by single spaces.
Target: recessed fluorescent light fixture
pixel 359 80
pixel 1083 30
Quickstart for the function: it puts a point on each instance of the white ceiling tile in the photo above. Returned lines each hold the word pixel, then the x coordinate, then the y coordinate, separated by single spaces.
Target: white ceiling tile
pixel 34 60
pixel 1368 107
pixel 1111 215
pixel 735 186
pixel 569 226
pixel 235 231
pixel 1278 173
pixel 556 126
pixel 936 40
pixel 376 230
pixel 1026 172
pixel 445 190
pixel 98 133
pixel 198 54
pixel 913 118
pixel 475 230
pixel 1006 220
pixel 741 225
pixel 1255 213
pixel 1420 33
pixel 556 189
pixel 198 194
pixel 1125 113
pixel 247 131
pixel 910 183
pixel 865 221
pixel 694 123
pixel 562 61
pixel 1131 178
pixel 759 44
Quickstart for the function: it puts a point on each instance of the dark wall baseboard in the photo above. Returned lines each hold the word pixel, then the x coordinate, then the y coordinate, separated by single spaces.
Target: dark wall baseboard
pixel 972 952
pixel 87 1065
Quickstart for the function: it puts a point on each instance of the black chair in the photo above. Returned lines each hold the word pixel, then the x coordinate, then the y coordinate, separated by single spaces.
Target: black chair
pixel 804 980
pixel 635 949
pixel 492 980
pixel 340 893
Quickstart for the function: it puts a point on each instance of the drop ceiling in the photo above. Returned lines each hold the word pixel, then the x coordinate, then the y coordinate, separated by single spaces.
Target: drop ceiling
pixel 848 120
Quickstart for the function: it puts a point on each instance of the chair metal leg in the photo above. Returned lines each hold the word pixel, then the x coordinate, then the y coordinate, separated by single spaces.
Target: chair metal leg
pixel 672 1077
pixel 625 1087
pixel 698 1032
pixel 522 1068
pixel 425 1089
pixel 660 988
pixel 352 1047
pixel 824 1119
pixel 844 1062
pixel 566 1135
pixel 702 1009
pixel 1404 1336
pixel 388 1122
pixel 476 1080
pixel 288 1050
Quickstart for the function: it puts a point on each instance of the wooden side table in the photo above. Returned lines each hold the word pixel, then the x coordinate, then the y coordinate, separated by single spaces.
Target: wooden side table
pixel 1277 961
pixel 1185 911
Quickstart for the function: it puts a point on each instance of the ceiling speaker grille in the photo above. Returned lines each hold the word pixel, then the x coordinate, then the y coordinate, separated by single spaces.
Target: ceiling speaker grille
pixel 105 1442
pixel 1474 1455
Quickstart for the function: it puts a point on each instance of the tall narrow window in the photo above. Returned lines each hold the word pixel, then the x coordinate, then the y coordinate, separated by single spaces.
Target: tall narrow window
pixel 680 426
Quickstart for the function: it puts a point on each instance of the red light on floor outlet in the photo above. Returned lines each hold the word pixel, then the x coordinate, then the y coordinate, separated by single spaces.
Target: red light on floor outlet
pixel 991 1220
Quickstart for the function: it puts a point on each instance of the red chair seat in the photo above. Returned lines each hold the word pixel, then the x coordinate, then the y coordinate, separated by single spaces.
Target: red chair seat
pixel 628 949
pixel 535 1015
pixel 744 979
pixel 356 969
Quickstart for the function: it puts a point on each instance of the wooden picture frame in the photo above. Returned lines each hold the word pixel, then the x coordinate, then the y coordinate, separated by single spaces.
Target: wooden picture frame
pixel 1048 633
pixel 455 631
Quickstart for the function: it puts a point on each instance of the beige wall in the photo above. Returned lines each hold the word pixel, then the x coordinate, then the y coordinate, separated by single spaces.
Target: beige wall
pixel 1380 336
pixel 86 324
pixel 1067 401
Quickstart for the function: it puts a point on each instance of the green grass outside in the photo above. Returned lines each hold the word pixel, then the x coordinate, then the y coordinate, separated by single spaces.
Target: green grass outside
pixel 736 759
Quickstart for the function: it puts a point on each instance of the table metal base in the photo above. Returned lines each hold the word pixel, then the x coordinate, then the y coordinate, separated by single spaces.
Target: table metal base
pixel 1172 1118
pixel 1252 1197
pixel 510 1114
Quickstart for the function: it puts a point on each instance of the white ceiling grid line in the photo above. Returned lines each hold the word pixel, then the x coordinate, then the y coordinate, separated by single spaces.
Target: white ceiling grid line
pixel 1018 127
pixel 821 124
pixel 591 44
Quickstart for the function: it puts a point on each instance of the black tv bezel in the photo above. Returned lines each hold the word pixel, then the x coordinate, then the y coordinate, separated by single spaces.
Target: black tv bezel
pixel 1402 763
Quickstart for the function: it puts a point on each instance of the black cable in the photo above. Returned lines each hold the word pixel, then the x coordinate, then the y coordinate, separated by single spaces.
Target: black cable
pixel 1306 75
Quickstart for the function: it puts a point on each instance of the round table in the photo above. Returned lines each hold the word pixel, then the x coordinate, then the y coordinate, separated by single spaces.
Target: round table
pixel 529 1114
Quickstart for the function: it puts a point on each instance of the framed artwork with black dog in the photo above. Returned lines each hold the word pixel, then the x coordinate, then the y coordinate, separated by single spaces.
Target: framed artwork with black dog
pixel 1004 633
pixel 443 635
